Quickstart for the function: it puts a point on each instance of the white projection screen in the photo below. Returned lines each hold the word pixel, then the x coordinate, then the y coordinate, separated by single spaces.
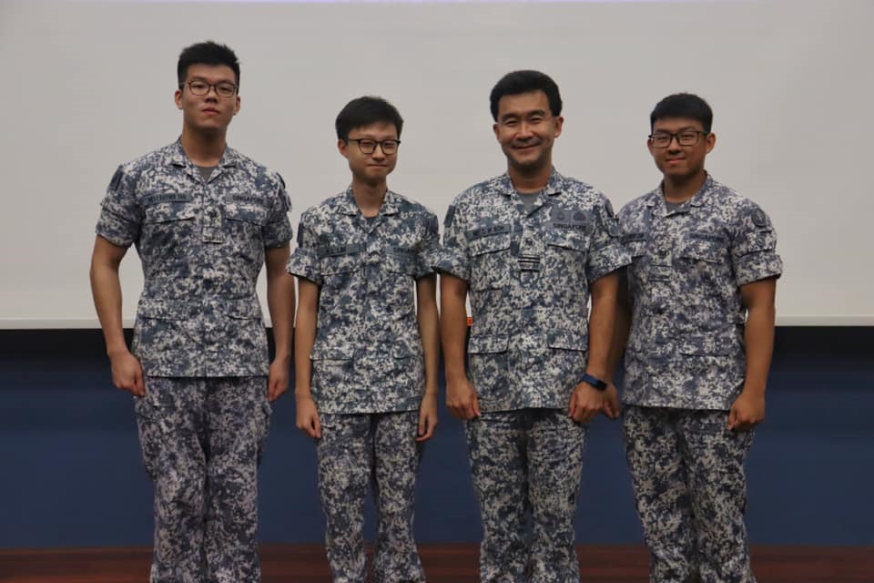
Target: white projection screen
pixel 89 85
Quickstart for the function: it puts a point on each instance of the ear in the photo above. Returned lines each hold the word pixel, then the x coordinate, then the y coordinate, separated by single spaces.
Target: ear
pixel 559 122
pixel 177 97
pixel 497 130
pixel 649 146
pixel 237 105
pixel 341 147
pixel 710 142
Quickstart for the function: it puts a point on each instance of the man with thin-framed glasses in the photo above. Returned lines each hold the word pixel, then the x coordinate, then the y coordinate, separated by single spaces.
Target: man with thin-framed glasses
pixel 696 311
pixel 367 347
pixel 204 219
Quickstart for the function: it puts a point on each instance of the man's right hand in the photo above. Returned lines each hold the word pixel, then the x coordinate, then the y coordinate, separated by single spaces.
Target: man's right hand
pixel 127 373
pixel 461 399
pixel 308 417
pixel 612 406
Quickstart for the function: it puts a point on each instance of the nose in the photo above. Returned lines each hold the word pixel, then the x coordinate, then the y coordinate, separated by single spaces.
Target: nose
pixel 524 131
pixel 211 93
pixel 378 152
pixel 674 145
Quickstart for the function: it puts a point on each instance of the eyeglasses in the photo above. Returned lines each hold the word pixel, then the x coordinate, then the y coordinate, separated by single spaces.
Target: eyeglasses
pixel 684 138
pixel 368 146
pixel 201 88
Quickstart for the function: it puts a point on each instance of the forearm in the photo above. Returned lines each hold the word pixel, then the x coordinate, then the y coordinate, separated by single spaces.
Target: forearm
pixel 621 330
pixel 621 327
pixel 304 338
pixel 453 329
pixel 759 341
pixel 429 331
pixel 601 326
pixel 280 302
pixel 106 291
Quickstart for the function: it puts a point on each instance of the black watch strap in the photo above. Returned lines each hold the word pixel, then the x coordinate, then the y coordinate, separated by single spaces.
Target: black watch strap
pixel 594 381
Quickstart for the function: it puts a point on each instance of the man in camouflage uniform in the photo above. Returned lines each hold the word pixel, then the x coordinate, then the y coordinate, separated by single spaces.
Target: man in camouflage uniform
pixel 204 219
pixel 366 348
pixel 699 305
pixel 530 246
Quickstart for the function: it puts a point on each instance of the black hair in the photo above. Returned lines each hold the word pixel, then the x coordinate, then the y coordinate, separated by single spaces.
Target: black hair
pixel 365 111
pixel 683 105
pixel 207 53
pixel 519 82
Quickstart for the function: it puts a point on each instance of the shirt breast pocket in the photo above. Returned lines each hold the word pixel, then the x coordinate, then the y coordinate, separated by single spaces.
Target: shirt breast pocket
pixel 636 244
pixel 169 229
pixel 168 212
pixel 489 262
pixel 703 265
pixel 338 270
pixel 708 251
pixel 402 263
pixel 567 252
pixel 242 214
pixel 398 278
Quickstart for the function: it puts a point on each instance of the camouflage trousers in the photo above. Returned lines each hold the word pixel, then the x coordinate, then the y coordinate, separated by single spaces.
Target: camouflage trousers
pixel 355 453
pixel 524 461
pixel 201 440
pixel 689 483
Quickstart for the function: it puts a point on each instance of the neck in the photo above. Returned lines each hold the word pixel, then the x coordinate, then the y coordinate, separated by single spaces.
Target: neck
pixel 530 181
pixel 369 196
pixel 203 149
pixel 682 188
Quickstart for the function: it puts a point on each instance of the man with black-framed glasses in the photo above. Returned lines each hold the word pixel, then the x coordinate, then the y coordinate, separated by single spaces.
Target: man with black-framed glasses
pixel 204 219
pixel 367 347
pixel 696 310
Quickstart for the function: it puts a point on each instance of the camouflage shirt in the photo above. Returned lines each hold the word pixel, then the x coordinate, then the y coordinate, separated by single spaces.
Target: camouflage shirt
pixel 528 275
pixel 201 245
pixel 686 345
pixel 367 356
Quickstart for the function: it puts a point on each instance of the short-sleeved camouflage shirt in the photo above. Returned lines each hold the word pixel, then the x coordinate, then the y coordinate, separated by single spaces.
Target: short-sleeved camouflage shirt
pixel 367 356
pixel 528 273
pixel 201 244
pixel 686 346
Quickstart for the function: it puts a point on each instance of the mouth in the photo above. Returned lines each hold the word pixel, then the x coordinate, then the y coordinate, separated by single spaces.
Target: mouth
pixel 525 147
pixel 209 111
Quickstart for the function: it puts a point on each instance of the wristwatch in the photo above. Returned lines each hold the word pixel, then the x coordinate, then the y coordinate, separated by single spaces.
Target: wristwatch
pixel 594 382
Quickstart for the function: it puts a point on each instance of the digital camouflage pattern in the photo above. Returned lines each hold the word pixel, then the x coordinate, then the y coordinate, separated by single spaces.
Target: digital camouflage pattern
pixel 528 275
pixel 686 345
pixel 200 338
pixel 202 440
pixel 684 367
pixel 367 356
pixel 377 451
pixel 528 270
pixel 525 460
pixel 201 245
pixel 690 489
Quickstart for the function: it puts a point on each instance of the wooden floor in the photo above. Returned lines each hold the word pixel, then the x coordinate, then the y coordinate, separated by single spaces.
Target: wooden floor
pixel 443 564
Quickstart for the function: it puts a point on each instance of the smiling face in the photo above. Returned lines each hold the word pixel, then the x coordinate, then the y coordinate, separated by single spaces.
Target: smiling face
pixel 372 168
pixel 527 130
pixel 677 161
pixel 210 113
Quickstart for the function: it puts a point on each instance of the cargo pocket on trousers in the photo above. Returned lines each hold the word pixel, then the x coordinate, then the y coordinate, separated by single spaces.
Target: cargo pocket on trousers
pixel 149 430
pixel 266 411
